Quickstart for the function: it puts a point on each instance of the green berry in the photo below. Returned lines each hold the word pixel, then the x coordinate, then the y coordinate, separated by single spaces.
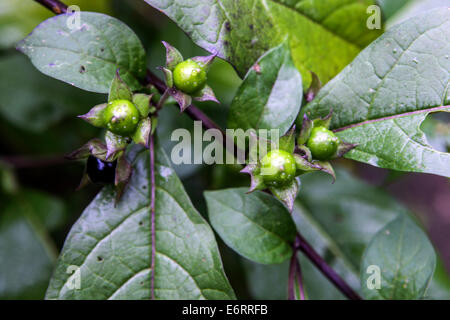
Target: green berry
pixel 278 168
pixel 189 76
pixel 121 117
pixel 322 143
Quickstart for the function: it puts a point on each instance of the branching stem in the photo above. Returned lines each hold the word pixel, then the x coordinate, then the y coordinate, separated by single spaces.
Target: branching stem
pixel 58 7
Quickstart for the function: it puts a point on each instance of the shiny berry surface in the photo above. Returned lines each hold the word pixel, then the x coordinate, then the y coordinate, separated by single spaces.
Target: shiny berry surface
pixel 322 143
pixel 278 168
pixel 189 76
pixel 121 117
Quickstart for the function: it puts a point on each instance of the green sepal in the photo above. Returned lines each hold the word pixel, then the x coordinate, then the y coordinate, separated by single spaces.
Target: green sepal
pixel 304 166
pixel 326 167
pixel 142 134
pixel 154 124
pixel 304 151
pixel 95 116
pixel 119 90
pixel 323 122
pixel 343 148
pixel 122 175
pixel 84 180
pixel 204 61
pixel 142 102
pixel 314 88
pixel 305 131
pixel 206 94
pixel 173 56
pixel 115 144
pixel 288 193
pixel 287 142
pixel 256 180
pixel 94 147
pixel 184 100
pixel 168 76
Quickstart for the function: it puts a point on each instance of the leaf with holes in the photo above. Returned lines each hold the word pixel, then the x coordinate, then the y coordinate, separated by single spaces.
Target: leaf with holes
pixel 270 95
pixel 405 258
pixel 89 55
pixel 380 100
pixel 256 225
pixel 324 36
pixel 111 245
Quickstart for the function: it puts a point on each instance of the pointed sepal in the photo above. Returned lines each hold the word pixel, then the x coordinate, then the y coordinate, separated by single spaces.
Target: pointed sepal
pixel 305 131
pixel 304 166
pixel 115 144
pixel 142 134
pixel 84 181
pixel 205 61
pixel 323 122
pixel 256 180
pixel 119 90
pixel 122 175
pixel 343 148
pixel 326 167
pixel 183 100
pixel 95 116
pixel 94 147
pixel 304 151
pixel 142 102
pixel 168 76
pixel 173 56
pixel 287 142
pixel 287 194
pixel 206 94
pixel 314 87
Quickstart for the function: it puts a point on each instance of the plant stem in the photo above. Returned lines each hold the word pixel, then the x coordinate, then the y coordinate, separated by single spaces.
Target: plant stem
pixel 152 213
pixel 55 6
pixel 326 270
pixel 295 274
pixel 58 7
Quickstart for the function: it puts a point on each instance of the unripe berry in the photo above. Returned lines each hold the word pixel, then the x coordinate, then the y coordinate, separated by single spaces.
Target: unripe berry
pixel 322 143
pixel 278 168
pixel 121 117
pixel 189 76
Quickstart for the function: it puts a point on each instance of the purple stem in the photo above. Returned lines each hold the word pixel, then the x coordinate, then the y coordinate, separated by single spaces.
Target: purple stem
pixel 326 270
pixel 152 212
pixel 59 7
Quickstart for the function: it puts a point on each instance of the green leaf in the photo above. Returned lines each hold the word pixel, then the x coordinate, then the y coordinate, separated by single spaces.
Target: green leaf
pixel 380 100
pixel 324 36
pixel 256 225
pixel 112 244
pixel 390 8
pixel 26 251
pixel 34 102
pixel 270 95
pixel 405 258
pixel 87 57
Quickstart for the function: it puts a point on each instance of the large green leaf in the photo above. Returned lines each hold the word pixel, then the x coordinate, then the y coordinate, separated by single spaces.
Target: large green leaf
pixel 256 225
pixel 86 57
pixel 34 102
pixel 27 254
pixel 405 258
pixel 112 244
pixel 390 8
pixel 270 95
pixel 381 98
pixel 338 220
pixel 324 36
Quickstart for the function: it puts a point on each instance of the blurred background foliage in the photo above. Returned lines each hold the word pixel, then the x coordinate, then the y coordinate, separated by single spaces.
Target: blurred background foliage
pixel 38 204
